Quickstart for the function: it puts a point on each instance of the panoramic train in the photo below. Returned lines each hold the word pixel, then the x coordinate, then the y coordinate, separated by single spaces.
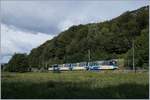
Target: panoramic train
pixel 95 65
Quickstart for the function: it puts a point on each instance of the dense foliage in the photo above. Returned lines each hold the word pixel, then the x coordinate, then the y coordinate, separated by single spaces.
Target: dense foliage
pixel 105 40
pixel 18 63
pixel 141 51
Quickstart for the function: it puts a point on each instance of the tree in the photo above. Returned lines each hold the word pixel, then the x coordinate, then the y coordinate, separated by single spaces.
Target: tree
pixel 141 51
pixel 18 63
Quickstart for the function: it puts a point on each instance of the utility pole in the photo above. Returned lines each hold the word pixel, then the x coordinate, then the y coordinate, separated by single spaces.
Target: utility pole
pixel 46 64
pixel 89 53
pixel 133 55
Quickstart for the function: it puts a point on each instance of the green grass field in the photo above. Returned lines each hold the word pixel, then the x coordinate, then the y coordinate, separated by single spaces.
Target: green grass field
pixel 109 84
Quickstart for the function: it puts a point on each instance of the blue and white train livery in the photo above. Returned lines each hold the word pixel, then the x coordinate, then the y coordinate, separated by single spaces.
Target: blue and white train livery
pixel 95 65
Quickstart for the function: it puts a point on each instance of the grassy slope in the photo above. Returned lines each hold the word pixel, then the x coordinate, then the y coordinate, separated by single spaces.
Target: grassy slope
pixel 75 85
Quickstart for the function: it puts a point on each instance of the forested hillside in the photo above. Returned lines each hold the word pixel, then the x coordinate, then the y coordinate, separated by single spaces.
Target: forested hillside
pixel 105 40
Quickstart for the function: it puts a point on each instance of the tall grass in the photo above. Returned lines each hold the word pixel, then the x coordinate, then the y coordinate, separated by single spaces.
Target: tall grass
pixel 75 85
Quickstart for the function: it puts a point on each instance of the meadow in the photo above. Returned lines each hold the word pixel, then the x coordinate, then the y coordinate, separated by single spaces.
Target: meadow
pixel 75 84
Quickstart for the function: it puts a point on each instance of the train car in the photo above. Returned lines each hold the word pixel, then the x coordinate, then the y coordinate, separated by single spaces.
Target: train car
pixel 103 65
pixel 54 67
pixel 95 65
pixel 110 64
pixel 50 69
pixel 65 67
pixel 77 66
pixel 83 64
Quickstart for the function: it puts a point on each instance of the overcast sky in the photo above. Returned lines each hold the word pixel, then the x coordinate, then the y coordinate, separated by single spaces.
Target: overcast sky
pixel 27 24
